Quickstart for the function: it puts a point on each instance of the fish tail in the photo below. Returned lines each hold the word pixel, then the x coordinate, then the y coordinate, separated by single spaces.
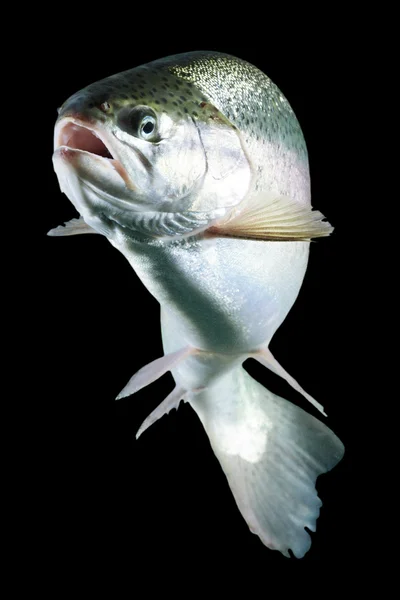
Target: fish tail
pixel 272 453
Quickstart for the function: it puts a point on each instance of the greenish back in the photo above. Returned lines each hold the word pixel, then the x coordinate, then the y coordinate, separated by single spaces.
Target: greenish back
pixel 244 94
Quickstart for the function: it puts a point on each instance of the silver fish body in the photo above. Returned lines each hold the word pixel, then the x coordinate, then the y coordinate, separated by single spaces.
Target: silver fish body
pixel 196 169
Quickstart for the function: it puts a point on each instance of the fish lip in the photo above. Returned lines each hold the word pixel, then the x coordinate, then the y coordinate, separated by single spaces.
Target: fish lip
pixel 91 124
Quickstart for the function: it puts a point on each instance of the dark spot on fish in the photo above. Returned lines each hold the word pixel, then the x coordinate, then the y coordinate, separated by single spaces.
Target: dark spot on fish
pixel 156 101
pixel 186 110
pixel 203 104
pixel 165 78
pixel 194 113
pixel 182 98
pixel 175 103
pixel 164 100
pixel 171 94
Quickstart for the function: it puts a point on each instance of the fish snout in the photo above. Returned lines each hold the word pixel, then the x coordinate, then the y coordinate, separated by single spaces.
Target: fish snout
pixel 87 106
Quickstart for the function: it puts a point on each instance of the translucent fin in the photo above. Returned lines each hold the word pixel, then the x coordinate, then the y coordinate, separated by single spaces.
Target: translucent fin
pixel 170 402
pixel 266 358
pixel 271 452
pixel 154 370
pixel 272 218
pixel 72 227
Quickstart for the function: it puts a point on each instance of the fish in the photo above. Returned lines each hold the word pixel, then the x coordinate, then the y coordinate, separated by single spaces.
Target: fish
pixel 195 168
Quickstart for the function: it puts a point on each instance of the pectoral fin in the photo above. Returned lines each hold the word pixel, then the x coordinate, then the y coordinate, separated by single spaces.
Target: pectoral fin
pixel 72 227
pixel 272 218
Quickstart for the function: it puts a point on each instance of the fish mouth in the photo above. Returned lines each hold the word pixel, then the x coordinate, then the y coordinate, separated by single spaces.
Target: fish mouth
pixel 75 135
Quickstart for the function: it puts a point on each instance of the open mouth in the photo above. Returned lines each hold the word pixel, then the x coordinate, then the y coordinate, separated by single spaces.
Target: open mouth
pixel 76 134
pixel 78 137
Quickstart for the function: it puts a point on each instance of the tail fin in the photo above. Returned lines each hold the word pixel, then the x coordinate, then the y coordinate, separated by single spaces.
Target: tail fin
pixel 272 453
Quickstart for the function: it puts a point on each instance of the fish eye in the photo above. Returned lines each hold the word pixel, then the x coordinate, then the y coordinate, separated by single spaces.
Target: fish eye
pixel 139 121
pixel 147 126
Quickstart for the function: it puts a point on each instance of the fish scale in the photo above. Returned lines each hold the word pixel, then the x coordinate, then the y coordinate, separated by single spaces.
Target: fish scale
pixel 245 95
pixel 195 168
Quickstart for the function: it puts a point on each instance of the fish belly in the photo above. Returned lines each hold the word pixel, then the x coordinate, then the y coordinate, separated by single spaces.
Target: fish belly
pixel 222 295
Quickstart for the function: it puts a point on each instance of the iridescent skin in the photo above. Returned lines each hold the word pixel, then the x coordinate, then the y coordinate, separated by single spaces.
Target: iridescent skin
pixel 226 132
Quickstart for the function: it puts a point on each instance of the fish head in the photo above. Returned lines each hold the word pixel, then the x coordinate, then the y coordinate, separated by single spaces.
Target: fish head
pixel 147 151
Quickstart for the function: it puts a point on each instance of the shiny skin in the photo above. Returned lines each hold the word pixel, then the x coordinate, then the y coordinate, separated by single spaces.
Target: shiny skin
pixel 225 133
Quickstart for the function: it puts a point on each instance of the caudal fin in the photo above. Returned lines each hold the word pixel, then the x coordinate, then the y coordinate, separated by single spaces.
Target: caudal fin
pixel 272 453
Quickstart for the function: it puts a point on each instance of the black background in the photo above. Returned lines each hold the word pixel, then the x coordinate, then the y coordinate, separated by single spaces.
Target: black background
pixel 164 499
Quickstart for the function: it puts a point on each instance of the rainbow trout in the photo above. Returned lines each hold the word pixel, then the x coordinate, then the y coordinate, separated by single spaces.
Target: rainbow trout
pixel 195 168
